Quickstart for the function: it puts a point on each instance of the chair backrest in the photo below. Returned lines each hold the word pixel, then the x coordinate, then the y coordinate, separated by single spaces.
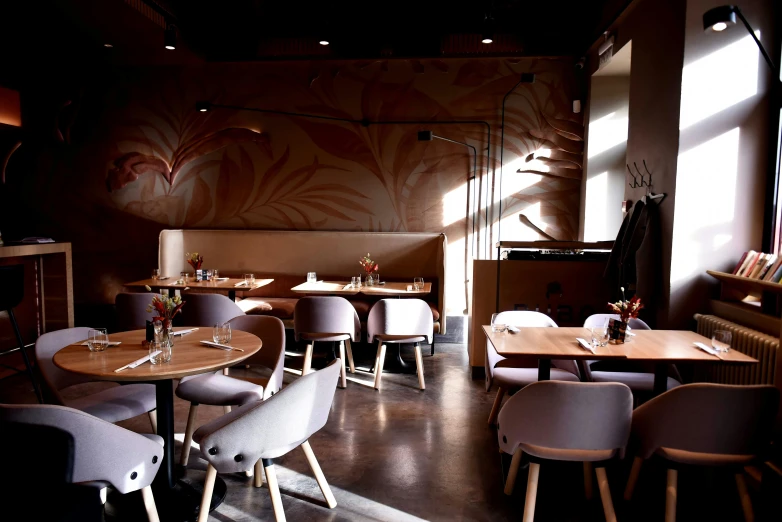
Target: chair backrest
pixel 325 315
pixel 567 415
pixel 208 310
pixel 400 317
pixel 707 418
pixel 11 286
pixel 132 310
pixel 271 428
pixel 102 451
pixel 45 347
pixel 272 354
pixel 596 320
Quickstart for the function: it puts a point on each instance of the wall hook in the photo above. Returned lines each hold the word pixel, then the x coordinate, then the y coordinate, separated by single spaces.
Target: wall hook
pixel 634 184
pixel 650 174
pixel 639 173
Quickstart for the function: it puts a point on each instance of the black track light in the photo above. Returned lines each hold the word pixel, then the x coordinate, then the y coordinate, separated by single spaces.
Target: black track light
pixel 719 18
pixel 169 37
pixel 203 106
pixel 425 135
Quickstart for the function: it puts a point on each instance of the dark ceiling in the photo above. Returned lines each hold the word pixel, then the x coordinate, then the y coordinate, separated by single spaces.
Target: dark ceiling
pixel 41 31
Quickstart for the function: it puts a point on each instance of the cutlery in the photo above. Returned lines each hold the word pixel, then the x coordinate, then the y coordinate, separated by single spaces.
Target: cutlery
pixel 241 283
pixel 708 350
pixel 111 343
pixel 220 346
pixel 137 362
pixel 185 332
pixel 585 344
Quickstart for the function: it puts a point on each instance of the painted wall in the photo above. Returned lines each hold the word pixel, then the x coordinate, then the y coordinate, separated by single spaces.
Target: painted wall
pixel 139 158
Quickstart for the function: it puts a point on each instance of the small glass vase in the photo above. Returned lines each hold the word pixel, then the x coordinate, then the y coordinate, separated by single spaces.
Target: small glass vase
pixel 370 280
pixel 166 334
pixel 617 331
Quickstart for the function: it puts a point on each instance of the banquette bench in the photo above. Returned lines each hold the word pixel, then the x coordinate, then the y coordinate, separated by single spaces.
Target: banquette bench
pixel 287 256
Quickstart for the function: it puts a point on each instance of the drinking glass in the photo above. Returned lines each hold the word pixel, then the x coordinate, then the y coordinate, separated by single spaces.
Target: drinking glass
pixel 215 273
pixel 418 283
pixel 495 326
pixel 599 336
pixel 97 339
pixel 312 277
pixel 184 276
pixel 355 282
pixel 376 278
pixel 165 352
pixel 249 279
pixel 221 333
pixel 155 274
pixel 721 339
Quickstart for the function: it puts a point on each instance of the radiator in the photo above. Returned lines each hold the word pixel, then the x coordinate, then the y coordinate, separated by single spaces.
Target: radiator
pixel 762 347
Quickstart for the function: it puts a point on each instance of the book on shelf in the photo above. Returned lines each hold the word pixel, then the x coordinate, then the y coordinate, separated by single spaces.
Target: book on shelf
pixel 740 263
pixel 773 270
pixel 749 264
pixel 760 266
pixel 770 260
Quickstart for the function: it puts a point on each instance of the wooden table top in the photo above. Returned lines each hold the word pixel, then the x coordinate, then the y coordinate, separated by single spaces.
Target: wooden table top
pixel 341 288
pixel 189 357
pixel 647 345
pixel 214 286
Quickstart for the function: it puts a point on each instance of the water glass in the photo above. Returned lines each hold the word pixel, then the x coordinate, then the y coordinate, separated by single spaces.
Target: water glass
pixel 355 282
pixel 215 273
pixel 599 336
pixel 312 277
pixel 249 279
pixel 97 339
pixel 221 333
pixel 418 283
pixel 495 326
pixel 721 339
pixel 155 274
pixel 165 352
pixel 184 276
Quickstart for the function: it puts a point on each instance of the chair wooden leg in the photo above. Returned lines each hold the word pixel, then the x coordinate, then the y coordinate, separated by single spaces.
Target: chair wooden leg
pixel 605 494
pixel 307 368
pixel 191 420
pixel 258 480
pixel 349 351
pixel 670 496
pixel 419 362
pixel 149 504
pixel 343 378
pixel 206 497
pixel 633 478
pixel 324 486
pixel 274 489
pixel 513 472
pixel 746 501
pixel 588 480
pixel 532 492
pixel 381 359
pixel 495 409
pixel 153 420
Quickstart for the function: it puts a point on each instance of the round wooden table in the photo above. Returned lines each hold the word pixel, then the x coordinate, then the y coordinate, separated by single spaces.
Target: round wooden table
pixel 189 357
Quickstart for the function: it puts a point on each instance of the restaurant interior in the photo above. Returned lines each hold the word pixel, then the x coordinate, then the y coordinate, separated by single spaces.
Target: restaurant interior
pixel 408 261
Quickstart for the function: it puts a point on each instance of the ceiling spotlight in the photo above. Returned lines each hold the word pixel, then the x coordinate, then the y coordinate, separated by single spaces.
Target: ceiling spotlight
pixel 169 38
pixel 425 135
pixel 203 106
pixel 108 45
pixel 719 18
pixel 487 35
pixel 323 42
pixel 487 39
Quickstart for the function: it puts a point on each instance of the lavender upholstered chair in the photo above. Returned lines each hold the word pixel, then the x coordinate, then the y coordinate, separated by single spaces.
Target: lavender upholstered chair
pixel 217 389
pixel 399 321
pixel 132 310
pixel 514 374
pixel 256 433
pixel 327 319
pixel 637 381
pixel 704 425
pixel 103 453
pixel 208 310
pixel 572 421
pixel 114 404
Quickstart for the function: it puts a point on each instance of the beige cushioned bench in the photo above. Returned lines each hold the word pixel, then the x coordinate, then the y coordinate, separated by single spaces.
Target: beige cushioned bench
pixel 287 256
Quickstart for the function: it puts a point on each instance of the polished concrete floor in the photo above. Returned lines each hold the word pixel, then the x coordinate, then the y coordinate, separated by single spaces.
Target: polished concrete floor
pixel 402 454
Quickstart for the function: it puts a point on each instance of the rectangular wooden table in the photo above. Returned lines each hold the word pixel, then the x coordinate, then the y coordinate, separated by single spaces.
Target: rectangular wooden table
pixel 228 287
pixel 340 288
pixel 663 347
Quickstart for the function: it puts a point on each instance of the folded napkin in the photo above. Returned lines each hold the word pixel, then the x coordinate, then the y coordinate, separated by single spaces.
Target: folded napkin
pixel 220 346
pixel 585 344
pixel 707 349
pixel 241 283
pixel 185 332
pixel 111 343
pixel 221 279
pixel 137 362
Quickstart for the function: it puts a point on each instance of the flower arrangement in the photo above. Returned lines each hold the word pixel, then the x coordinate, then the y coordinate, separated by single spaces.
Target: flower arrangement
pixel 194 260
pixel 165 308
pixel 626 309
pixel 368 265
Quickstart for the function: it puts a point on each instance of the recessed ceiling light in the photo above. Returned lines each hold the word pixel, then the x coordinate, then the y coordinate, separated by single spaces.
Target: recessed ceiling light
pixel 108 45
pixel 169 38
pixel 487 40
pixel 324 42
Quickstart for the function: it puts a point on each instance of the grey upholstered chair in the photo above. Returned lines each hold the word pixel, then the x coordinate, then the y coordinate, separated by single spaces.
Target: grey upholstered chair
pixel 217 389
pixel 399 321
pixel 104 454
pixel 257 433
pixel 132 310
pixel 327 319
pixel 114 404
pixel 572 421
pixel 715 425
pixel 208 310
pixel 516 374
pixel 621 371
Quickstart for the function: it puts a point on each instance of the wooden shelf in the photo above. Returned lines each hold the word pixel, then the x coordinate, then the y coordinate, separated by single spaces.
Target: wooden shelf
pixel 557 245
pixel 750 286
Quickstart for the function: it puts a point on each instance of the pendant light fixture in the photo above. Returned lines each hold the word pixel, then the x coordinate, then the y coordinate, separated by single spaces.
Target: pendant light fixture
pixel 169 37
pixel 487 36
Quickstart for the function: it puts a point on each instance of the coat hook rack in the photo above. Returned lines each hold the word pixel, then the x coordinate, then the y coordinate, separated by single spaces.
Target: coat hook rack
pixel 639 173
pixel 634 184
pixel 649 184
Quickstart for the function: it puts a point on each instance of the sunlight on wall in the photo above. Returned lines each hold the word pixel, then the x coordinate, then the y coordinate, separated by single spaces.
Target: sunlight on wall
pixel 706 179
pixel 455 205
pixel 454 277
pixel 515 230
pixel 719 80
pixel 595 219
pixel 606 132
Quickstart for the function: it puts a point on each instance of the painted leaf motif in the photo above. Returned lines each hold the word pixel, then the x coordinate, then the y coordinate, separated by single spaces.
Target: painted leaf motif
pixel 341 142
pixel 476 72
pixel 329 211
pixel 129 167
pixel 214 142
pixel 200 203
